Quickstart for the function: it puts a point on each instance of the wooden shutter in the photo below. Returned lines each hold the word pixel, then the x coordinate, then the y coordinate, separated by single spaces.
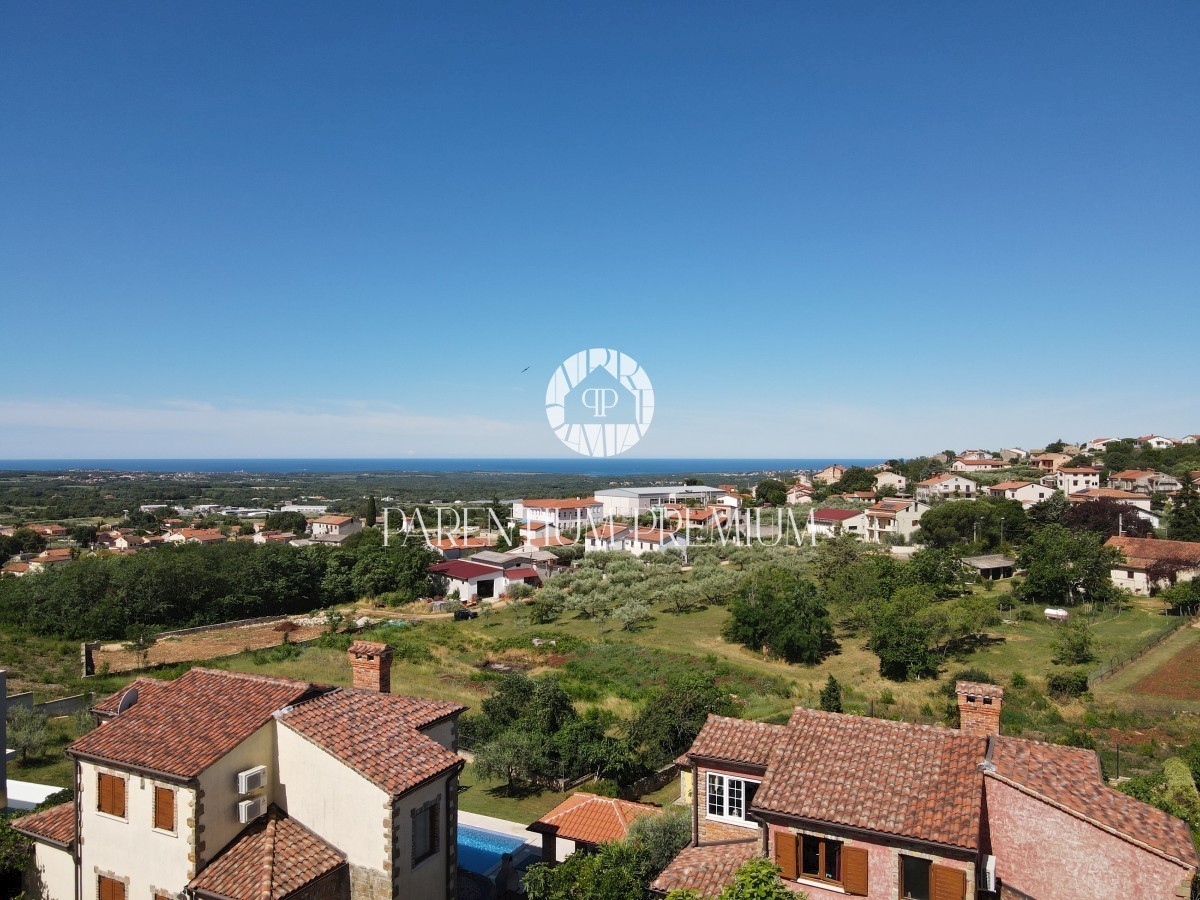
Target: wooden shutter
pixel 111 889
pixel 946 883
pixel 164 809
pixel 854 870
pixel 111 795
pixel 786 855
pixel 118 795
pixel 103 800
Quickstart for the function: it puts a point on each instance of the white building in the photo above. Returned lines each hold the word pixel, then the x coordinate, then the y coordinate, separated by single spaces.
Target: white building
pixel 225 785
pixel 563 515
pixel 830 522
pixel 335 529
pixel 946 487
pixel 894 517
pixel 1078 478
pixel 889 479
pixel 1027 493
pixel 630 502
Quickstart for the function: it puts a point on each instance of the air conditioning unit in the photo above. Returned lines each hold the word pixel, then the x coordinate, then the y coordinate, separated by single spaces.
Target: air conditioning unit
pixel 251 779
pixel 989 874
pixel 249 810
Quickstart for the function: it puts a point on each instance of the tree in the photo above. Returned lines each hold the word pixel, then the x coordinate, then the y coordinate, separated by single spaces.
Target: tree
pixel 515 755
pixel 1184 523
pixel 83 535
pixel 771 490
pixel 139 640
pixel 758 879
pixel 941 570
pixel 831 696
pixel 1107 517
pixel 1056 446
pixel 1072 644
pixel 372 512
pixel 27 732
pixel 294 522
pixel 902 635
pixel 674 713
pixel 1051 511
pixel 660 838
pixel 1067 567
pixel 617 871
pixel 976 522
pixel 783 613
pixel 855 478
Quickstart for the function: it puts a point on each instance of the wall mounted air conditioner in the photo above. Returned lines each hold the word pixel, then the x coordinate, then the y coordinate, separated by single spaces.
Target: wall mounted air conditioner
pixel 252 779
pixel 249 810
pixel 989 874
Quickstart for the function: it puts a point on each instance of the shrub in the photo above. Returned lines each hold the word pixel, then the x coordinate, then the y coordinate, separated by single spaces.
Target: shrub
pixel 1067 684
pixel 1018 680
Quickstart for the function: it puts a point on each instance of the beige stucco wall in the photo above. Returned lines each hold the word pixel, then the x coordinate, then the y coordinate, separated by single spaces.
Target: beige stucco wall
pixel 219 799
pixel 161 860
pixel 445 733
pixel 428 878
pixel 51 874
pixel 340 805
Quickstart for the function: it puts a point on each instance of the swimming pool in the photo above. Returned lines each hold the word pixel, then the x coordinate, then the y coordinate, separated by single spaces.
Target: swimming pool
pixel 479 850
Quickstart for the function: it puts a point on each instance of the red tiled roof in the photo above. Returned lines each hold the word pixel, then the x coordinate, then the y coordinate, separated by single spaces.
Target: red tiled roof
pixel 938 479
pixel 273 858
pixel 607 532
pixel 377 735
pixel 706 869
pixel 56 824
pixel 462 569
pixel 897 778
pixel 188 724
pixel 333 520
pixel 551 542
pixel 107 706
pixel 1134 475
pixel 835 515
pixel 1146 551
pixel 592 819
pixel 461 544
pixel 523 572
pixel 1013 485
pixel 1104 494
pixel 735 740
pixel 1070 779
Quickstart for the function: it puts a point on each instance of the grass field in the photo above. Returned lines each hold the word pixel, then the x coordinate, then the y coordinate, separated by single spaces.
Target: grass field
pixel 1164 681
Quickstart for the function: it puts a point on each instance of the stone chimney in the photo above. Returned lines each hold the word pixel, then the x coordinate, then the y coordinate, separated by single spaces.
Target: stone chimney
pixel 979 707
pixel 371 664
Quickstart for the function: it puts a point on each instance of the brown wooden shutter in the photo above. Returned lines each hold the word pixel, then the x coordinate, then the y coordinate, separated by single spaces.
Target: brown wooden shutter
pixel 854 870
pixel 946 883
pixel 118 790
pixel 164 809
pixel 111 889
pixel 785 854
pixel 103 796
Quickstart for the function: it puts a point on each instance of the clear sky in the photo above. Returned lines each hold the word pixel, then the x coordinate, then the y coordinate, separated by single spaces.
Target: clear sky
pixel 330 229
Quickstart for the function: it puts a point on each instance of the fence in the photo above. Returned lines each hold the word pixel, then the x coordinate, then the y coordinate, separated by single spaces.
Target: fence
pixel 652 782
pixel 1117 663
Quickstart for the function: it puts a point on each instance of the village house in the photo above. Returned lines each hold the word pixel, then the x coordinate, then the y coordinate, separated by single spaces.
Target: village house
pixel 334 529
pixel 562 515
pixel 631 502
pixel 679 517
pixel 1151 564
pixel 868 807
pixel 653 540
pixel 1098 445
pixel 607 538
pixel 897 517
pixel 889 479
pixel 1144 481
pixel 469 581
pixel 946 487
pixel 829 474
pixel 1191 439
pixel 223 785
pixel 1140 504
pixel 191 536
pixel 1013 454
pixel 832 522
pixel 1050 462
pixel 974 454
pixel 1027 493
pixel 458 547
pixel 584 821
pixel 1155 441
pixel 1077 478
pixel 799 493
pixel 977 464
pixel 48 558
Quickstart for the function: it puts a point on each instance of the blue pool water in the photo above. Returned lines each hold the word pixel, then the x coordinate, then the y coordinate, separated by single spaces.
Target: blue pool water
pixel 479 850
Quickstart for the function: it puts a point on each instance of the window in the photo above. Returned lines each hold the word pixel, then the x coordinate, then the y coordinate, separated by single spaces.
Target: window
pixel 821 858
pixel 164 809
pixel 111 796
pixel 425 831
pixel 110 888
pixel 730 798
pixel 914 878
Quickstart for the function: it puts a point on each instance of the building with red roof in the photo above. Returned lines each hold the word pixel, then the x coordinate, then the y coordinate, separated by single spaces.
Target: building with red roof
pixel 859 806
pixel 223 785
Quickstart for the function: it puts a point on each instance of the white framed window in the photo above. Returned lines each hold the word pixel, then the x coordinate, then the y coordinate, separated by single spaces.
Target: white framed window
pixel 730 798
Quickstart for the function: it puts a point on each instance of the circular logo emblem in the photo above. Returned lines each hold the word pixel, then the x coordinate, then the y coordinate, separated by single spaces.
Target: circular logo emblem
pixel 600 402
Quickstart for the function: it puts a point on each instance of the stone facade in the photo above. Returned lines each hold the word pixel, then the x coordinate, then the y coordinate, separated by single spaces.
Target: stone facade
pixel 713 830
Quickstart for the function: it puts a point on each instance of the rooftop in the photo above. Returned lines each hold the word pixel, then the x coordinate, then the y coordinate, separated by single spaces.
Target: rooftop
pixel 592 819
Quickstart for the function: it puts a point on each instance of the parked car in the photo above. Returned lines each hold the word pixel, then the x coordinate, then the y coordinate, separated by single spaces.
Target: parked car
pixel 460 614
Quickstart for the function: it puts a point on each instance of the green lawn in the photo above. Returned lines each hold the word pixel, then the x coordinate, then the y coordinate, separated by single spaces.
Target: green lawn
pixel 52 767
pixel 491 798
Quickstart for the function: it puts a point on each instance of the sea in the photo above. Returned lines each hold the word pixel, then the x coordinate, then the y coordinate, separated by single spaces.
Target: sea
pixel 556 465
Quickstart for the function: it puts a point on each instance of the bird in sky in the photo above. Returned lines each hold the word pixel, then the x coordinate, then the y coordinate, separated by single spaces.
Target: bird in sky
pixel 524 370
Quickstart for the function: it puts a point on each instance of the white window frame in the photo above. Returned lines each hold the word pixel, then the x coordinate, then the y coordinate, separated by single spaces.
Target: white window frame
pixel 724 788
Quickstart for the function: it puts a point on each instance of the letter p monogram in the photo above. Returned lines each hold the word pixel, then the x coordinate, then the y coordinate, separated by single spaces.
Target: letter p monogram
pixel 599 400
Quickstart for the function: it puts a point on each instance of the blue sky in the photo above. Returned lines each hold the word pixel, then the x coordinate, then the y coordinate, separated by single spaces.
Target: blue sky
pixel 307 229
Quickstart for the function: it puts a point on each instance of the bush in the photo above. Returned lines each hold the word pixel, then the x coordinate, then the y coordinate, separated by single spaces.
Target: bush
pixel 1018 680
pixel 1067 684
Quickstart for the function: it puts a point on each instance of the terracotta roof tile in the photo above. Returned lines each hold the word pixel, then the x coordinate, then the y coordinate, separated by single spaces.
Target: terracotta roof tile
pixel 592 819
pixel 1070 778
pixel 377 735
pixel 897 778
pixel 1144 551
pixel 108 706
pixel 706 869
pixel 735 740
pixel 273 858
pixel 56 824
pixel 188 724
pixel 461 569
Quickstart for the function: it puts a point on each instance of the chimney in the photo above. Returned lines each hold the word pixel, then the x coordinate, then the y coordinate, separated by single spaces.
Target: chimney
pixel 371 664
pixel 979 707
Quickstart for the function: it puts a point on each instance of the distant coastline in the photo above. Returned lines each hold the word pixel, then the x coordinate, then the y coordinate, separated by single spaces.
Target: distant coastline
pixel 522 466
